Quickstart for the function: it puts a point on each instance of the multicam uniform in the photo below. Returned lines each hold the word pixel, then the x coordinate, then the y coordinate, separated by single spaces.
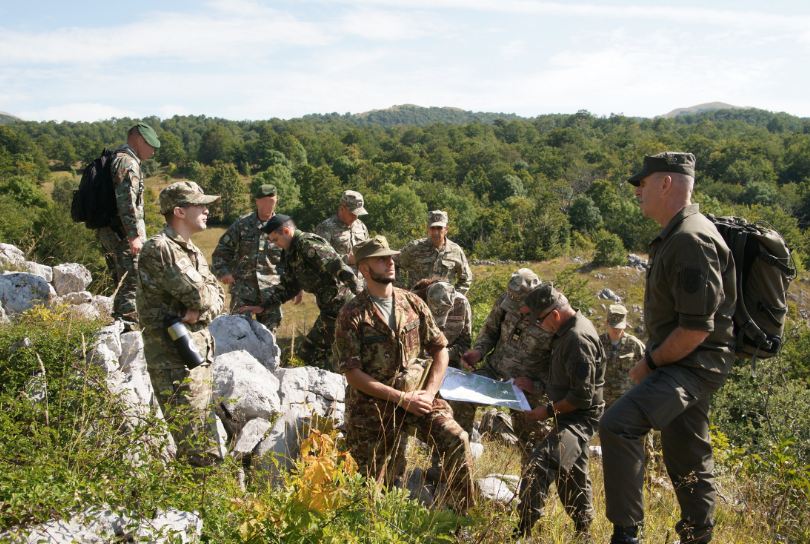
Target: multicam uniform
pixel 457 328
pixel 245 252
pixel 377 429
pixel 419 260
pixel 174 277
pixel 620 359
pixel 312 265
pixel 127 179
pixel 343 237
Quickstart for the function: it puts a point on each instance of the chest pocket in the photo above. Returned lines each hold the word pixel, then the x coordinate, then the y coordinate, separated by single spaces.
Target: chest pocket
pixel 445 268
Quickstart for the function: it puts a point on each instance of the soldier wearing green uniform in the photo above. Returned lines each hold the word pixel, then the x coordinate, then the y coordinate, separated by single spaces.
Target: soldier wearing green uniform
pixel 123 239
pixel 174 281
pixel 435 257
pixel 689 302
pixel 574 388
pixel 622 351
pixel 309 263
pixel 380 337
pixel 344 230
pixel 452 313
pixel 246 260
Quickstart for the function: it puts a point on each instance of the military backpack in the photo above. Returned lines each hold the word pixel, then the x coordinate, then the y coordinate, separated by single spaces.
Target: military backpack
pixel 94 201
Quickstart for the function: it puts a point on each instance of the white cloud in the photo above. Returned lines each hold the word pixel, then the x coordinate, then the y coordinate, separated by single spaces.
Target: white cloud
pixel 78 111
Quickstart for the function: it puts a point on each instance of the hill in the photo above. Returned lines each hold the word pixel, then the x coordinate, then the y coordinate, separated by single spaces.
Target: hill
pixel 700 108
pixel 411 114
pixel 7 118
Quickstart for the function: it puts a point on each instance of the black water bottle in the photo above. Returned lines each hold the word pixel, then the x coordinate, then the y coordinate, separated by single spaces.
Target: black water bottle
pixel 181 338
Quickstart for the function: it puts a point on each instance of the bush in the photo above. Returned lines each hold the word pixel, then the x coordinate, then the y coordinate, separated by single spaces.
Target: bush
pixel 609 250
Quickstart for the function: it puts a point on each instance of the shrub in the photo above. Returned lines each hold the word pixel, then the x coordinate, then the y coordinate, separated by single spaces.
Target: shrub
pixel 609 250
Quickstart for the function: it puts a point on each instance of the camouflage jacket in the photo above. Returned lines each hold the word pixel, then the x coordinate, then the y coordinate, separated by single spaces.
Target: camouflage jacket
pixel 364 340
pixel 246 252
pixel 515 344
pixel 577 372
pixel 342 237
pixel 173 277
pixel 619 360
pixel 128 182
pixel 457 328
pixel 312 265
pixel 419 260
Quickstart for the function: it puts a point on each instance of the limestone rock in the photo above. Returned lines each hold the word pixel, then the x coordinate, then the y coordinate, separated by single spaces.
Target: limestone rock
pixel 104 305
pixel 43 271
pixel 318 390
pixel 608 294
pixel 70 278
pixel 477 450
pixel 244 389
pixel 107 347
pixel 3 316
pixel 20 291
pixel 175 526
pixel 252 434
pixel 282 443
pixel 235 332
pixel 86 311
pixel 11 257
pixel 76 298
pixel 498 487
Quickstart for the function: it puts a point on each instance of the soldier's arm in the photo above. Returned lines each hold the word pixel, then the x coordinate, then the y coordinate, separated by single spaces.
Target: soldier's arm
pixel 464 340
pixel 180 280
pixel 324 257
pixel 465 276
pixel 435 343
pixel 126 177
pixel 278 294
pixel 491 330
pixel 222 259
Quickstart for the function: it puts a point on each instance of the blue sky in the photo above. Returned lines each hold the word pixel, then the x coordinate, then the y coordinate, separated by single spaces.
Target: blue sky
pixel 253 59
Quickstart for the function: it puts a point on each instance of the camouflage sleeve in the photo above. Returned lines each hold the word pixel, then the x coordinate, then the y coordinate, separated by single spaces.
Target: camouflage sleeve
pixel 347 343
pixel 638 349
pixel 491 330
pixel 431 336
pixel 278 294
pixel 404 262
pixel 464 339
pixel 464 275
pixel 323 231
pixel 216 295
pixel 324 257
pixel 224 253
pixel 128 184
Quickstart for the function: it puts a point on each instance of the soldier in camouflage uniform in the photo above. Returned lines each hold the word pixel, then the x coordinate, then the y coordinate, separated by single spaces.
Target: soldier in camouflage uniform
pixel 246 260
pixel 174 281
pixel 622 351
pixel 123 239
pixel 378 342
pixel 435 256
pixel 309 263
pixel 453 315
pixel 344 229
pixel 574 387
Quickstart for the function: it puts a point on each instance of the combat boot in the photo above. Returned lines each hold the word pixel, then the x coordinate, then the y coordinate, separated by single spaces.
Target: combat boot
pixel 693 535
pixel 625 535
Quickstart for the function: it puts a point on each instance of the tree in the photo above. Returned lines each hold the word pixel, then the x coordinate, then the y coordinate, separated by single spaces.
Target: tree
pixel 584 215
pixel 171 150
pixel 289 193
pixel 225 181
pixel 609 250
pixel 398 213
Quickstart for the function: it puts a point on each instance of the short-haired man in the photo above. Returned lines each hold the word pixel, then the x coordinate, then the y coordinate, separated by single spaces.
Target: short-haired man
pixel 622 351
pixel 574 388
pixel 308 263
pixel 435 256
pixel 246 260
pixel 174 282
pixel 688 307
pixel 345 229
pixel 380 337
pixel 123 239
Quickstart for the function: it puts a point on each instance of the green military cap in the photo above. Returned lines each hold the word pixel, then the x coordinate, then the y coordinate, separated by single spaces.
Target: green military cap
pixel 669 161
pixel 437 218
pixel 275 223
pixel 353 202
pixel 617 316
pixel 263 190
pixel 376 246
pixel 183 193
pixel 543 299
pixel 148 134
pixel 440 296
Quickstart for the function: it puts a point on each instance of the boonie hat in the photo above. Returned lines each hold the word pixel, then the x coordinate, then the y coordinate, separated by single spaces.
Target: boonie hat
pixel 376 246
pixel 353 202
pixel 440 297
pixel 617 316
pixel 149 135
pixel 437 218
pixel 669 161
pixel 275 223
pixel 183 193
pixel 263 190
pixel 521 283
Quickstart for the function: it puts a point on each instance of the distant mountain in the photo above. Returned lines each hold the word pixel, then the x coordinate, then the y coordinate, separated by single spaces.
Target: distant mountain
pixel 7 118
pixel 700 108
pixel 413 115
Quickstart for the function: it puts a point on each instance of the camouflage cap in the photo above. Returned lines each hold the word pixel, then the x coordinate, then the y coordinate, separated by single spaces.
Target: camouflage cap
pixel 617 316
pixel 440 297
pixel 353 202
pixel 376 246
pixel 182 194
pixel 275 223
pixel 148 134
pixel 437 218
pixel 263 190
pixel 543 299
pixel 522 281
pixel 669 161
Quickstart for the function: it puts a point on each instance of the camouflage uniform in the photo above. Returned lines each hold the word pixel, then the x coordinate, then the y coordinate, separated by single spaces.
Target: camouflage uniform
pixel 376 429
pixel 174 277
pixel 312 265
pixel 419 259
pixel 452 313
pixel 128 182
pixel 245 252
pixel 341 236
pixel 620 359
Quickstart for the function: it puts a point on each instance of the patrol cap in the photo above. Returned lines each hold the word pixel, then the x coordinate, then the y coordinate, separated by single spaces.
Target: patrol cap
pixel 148 134
pixel 440 297
pixel 617 316
pixel 668 161
pixel 275 223
pixel 521 283
pixel 183 193
pixel 543 299
pixel 353 202
pixel 263 190
pixel 437 218
pixel 376 246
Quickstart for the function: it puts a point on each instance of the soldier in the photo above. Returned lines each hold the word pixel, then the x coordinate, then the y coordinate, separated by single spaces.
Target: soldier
pixel 246 260
pixel 379 339
pixel 174 281
pixel 622 351
pixel 344 229
pixel 452 313
pixel 308 262
pixel 435 256
pixel 689 302
pixel 122 241
pixel 574 388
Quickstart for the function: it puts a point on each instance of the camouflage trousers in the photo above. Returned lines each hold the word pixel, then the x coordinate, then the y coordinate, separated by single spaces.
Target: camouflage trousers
pixel 561 458
pixel 316 348
pixel 123 268
pixel 376 435
pixel 270 318
pixel 185 398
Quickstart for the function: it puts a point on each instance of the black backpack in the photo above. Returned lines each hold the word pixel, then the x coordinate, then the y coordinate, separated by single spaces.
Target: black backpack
pixel 765 268
pixel 94 201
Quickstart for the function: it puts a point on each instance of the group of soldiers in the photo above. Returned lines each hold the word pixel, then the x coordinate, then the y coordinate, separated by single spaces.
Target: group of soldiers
pixel 394 345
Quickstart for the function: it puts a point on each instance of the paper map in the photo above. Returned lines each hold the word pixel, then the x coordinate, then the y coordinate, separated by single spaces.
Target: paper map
pixel 465 386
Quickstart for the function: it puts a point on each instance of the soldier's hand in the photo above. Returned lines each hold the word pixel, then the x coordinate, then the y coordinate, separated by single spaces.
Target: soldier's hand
pixel 538 414
pixel 251 309
pixel 297 299
pixel 417 402
pixel 524 383
pixel 470 357
pixel 227 279
pixel 135 245
pixel 639 371
pixel 191 316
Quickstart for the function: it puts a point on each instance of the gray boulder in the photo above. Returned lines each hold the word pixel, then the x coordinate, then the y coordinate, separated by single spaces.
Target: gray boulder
pixel 477 450
pixel 20 291
pixel 43 271
pixel 11 257
pixel 106 349
pixel 252 434
pixel 75 298
pixel 244 389
pixel 3 317
pixel 86 312
pixel 70 278
pixel 281 446
pixel 315 389
pixel 234 332
pixel 608 294
pixel 500 488
pixel 175 526
pixel 104 305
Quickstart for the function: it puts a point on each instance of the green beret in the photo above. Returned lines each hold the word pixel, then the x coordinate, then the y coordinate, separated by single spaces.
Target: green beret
pixel 148 134
pixel 263 190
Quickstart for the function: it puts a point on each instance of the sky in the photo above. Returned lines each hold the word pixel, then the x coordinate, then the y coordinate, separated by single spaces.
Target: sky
pixel 256 59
